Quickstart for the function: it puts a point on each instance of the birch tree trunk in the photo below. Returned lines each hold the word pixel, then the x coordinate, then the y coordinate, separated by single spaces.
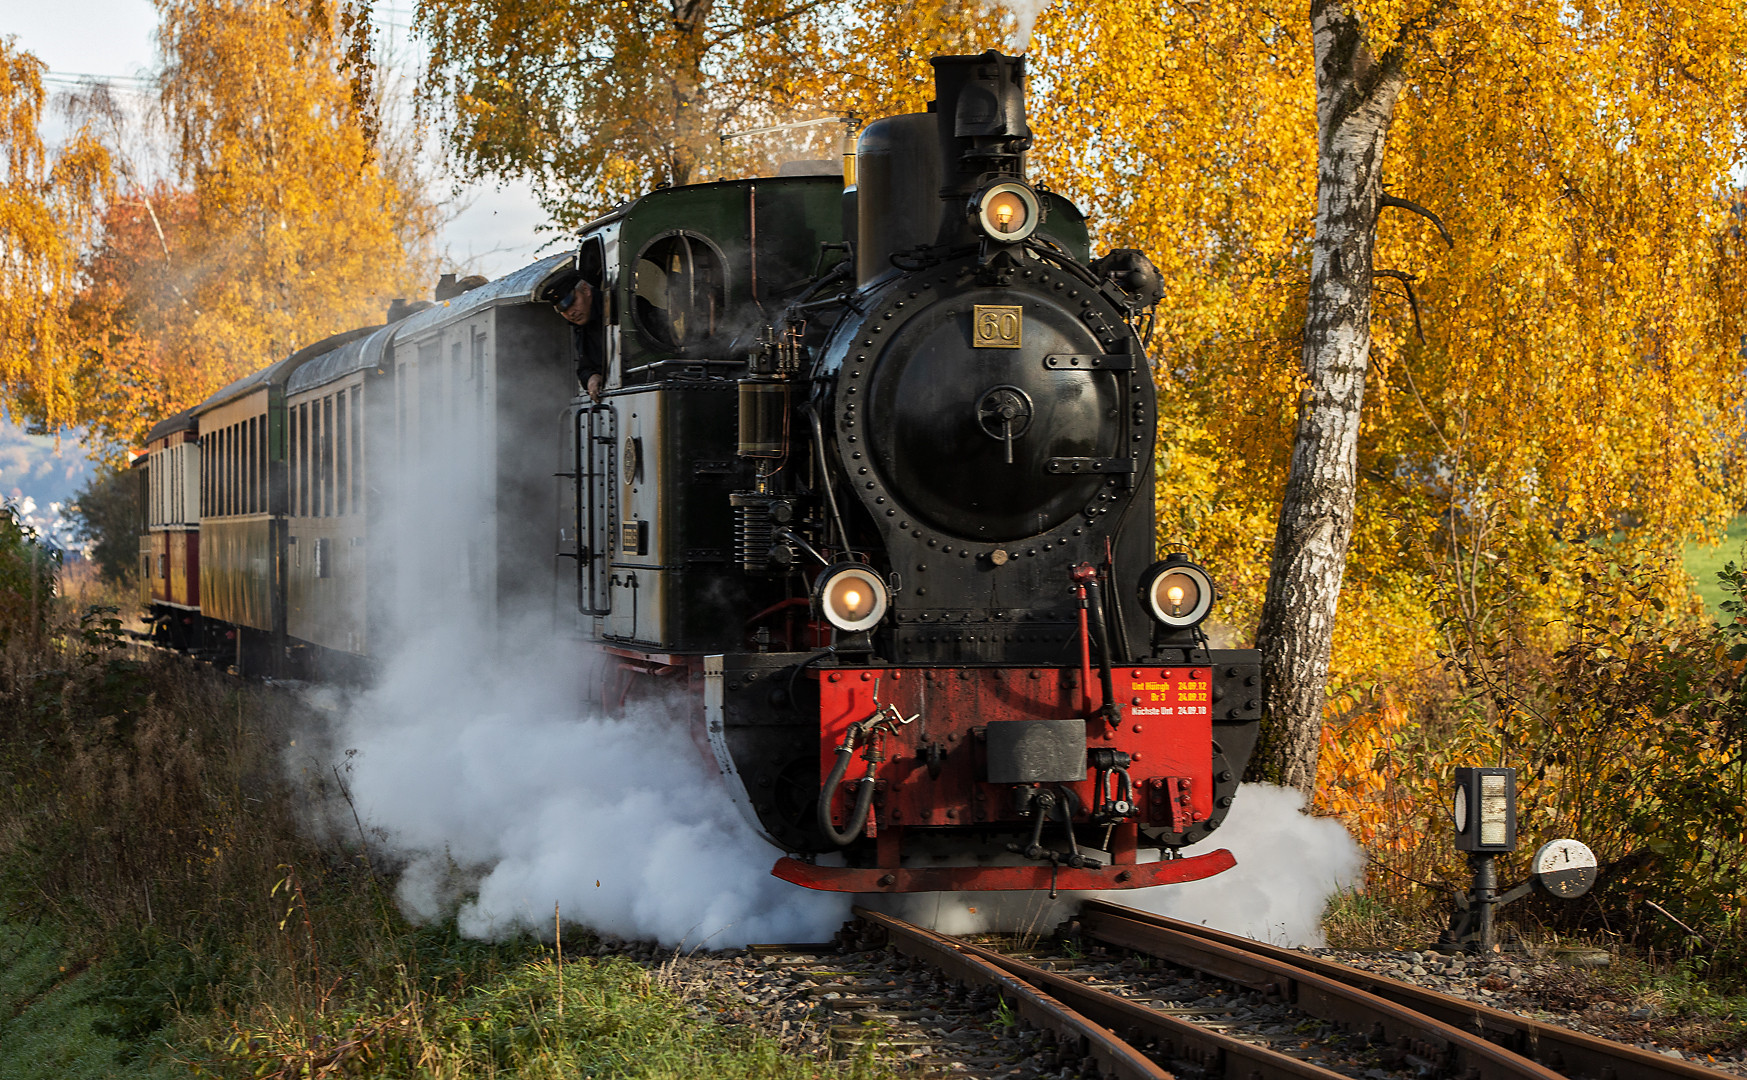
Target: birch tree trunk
pixel 1355 99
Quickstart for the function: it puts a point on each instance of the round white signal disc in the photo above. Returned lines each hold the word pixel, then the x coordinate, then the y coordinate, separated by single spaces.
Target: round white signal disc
pixel 1461 809
pixel 1565 868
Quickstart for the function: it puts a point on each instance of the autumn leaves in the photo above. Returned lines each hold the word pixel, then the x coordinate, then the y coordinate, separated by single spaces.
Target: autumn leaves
pixel 132 295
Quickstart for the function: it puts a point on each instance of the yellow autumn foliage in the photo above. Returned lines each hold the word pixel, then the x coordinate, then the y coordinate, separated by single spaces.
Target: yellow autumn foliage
pixel 47 201
pixel 283 224
pixel 1580 365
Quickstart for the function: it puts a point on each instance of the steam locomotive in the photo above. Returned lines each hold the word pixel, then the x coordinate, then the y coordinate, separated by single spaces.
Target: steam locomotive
pixel 867 483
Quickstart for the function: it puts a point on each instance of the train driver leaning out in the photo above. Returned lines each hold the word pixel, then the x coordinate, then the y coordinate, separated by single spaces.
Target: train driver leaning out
pixel 580 310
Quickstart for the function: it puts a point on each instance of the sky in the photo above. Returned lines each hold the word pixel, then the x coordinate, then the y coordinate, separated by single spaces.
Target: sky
pixel 493 234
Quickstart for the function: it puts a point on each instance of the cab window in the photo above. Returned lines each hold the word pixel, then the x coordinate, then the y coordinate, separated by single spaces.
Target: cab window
pixel 678 290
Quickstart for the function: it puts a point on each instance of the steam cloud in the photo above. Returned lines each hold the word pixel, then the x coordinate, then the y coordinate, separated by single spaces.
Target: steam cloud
pixel 501 801
pixel 1288 865
pixel 1025 13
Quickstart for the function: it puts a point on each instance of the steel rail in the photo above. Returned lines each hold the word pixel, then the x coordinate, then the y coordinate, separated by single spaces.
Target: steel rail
pixel 1571 1053
pixel 1114 1056
pixel 1216 1055
pixel 1451 1049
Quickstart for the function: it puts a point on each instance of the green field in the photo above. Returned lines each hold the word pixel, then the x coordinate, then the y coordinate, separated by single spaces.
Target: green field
pixel 1703 561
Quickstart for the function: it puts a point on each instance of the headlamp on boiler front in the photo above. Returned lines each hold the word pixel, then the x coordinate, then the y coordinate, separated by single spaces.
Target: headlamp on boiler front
pixel 1176 592
pixel 1008 212
pixel 850 597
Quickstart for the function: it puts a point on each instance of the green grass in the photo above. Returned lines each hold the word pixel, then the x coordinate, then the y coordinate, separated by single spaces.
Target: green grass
pixel 53 1013
pixel 1704 560
pixel 607 1018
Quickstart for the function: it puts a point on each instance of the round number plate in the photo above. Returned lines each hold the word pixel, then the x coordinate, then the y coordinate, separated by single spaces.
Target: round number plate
pixel 1565 868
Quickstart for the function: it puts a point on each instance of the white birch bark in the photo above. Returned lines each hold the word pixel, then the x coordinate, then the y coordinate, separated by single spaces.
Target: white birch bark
pixel 1355 99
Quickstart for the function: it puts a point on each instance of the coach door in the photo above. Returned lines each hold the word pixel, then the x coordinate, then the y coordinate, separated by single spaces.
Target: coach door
pixel 596 504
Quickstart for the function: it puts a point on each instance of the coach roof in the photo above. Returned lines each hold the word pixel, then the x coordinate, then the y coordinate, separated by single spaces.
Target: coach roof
pixel 359 354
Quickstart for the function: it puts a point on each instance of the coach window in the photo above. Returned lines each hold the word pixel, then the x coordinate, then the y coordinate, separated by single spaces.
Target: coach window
pixel 233 470
pixel 307 434
pixel 314 408
pixel 678 290
pixel 318 436
pixel 227 474
pixel 230 470
pixel 355 474
pixel 327 456
pixel 294 462
pixel 261 455
pixel 263 477
pixel 248 465
pixel 250 450
pixel 291 461
pixel 240 481
pixel 248 503
pixel 341 434
pixel 238 472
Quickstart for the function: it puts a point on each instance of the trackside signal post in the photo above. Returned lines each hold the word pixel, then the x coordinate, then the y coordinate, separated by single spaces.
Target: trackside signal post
pixel 1483 809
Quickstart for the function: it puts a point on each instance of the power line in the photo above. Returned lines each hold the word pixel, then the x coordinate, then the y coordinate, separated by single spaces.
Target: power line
pixel 81 76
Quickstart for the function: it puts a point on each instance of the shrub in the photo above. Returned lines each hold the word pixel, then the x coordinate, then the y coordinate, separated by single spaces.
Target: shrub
pixel 27 578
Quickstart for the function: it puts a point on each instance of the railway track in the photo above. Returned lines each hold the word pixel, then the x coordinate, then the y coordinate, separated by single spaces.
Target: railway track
pixel 1142 996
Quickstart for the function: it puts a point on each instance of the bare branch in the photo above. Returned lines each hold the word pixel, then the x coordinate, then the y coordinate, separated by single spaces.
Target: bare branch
pixel 1407 281
pixel 1407 204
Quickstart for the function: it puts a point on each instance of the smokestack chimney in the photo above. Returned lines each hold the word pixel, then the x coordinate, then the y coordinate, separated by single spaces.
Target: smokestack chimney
pixel 916 174
pixel 979 105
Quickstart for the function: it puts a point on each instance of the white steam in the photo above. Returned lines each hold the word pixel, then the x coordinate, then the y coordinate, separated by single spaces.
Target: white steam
pixel 1288 866
pixel 1025 13
pixel 503 801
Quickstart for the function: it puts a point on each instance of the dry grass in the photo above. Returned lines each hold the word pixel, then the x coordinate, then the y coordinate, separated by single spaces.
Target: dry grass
pixel 148 824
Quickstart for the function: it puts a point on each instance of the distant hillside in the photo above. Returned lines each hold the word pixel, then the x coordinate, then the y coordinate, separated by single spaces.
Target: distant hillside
pixel 41 480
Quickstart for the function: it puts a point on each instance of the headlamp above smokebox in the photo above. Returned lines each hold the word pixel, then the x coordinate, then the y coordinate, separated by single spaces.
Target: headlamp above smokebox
pixel 1008 212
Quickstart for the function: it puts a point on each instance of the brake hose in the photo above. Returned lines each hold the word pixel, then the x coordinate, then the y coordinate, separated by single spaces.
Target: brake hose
pixel 828 795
